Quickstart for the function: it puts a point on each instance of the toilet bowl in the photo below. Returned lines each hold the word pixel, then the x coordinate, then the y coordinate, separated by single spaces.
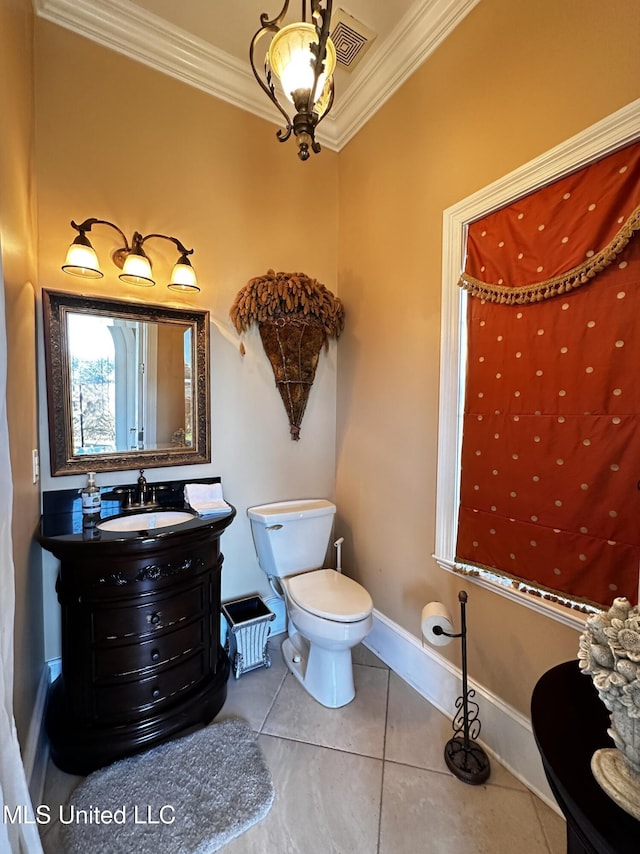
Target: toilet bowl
pixel 327 612
pixel 332 613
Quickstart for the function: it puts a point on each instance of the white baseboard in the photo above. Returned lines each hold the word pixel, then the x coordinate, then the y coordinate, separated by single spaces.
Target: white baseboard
pixel 506 734
pixel 36 752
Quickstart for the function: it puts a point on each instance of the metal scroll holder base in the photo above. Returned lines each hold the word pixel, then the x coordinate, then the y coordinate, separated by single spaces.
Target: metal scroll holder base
pixel 465 759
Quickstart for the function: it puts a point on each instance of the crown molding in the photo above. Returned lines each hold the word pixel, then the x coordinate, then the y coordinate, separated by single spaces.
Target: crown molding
pixel 147 38
pixel 414 38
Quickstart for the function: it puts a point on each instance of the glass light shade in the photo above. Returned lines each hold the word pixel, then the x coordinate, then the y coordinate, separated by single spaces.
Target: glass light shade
pixel 183 277
pixel 137 271
pixel 82 261
pixel 291 59
pixel 321 104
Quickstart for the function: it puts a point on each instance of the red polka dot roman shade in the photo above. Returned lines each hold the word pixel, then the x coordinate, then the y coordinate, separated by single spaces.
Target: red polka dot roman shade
pixel 551 430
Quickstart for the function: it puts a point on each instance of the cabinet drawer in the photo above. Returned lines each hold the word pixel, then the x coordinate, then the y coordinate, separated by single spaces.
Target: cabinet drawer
pixel 126 700
pixel 114 661
pixel 148 618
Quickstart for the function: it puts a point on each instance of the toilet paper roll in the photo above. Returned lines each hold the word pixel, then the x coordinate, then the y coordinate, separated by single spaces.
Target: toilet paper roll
pixel 435 614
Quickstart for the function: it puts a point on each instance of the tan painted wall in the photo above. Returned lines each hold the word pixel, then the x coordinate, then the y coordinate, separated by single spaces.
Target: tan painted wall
pixel 512 81
pixel 150 154
pixel 121 142
pixel 17 232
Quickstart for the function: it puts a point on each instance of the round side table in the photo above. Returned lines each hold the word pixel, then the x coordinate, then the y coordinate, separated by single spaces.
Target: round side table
pixel 569 724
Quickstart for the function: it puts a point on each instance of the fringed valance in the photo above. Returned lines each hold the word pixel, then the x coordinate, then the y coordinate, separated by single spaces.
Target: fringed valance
pixel 558 285
pixel 556 239
pixel 549 459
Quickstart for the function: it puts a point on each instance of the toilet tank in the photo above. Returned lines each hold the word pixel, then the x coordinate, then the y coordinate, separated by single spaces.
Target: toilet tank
pixel 291 536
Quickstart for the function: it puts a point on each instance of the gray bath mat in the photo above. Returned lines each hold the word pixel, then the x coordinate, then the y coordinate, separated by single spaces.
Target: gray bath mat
pixel 189 796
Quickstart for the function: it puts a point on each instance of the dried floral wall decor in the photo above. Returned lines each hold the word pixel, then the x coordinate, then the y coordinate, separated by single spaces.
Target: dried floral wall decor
pixel 296 316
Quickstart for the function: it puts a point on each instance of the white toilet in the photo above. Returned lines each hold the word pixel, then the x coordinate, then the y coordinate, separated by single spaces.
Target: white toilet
pixel 327 612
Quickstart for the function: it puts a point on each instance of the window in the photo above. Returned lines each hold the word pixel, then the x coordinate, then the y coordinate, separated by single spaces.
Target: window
pixel 613 133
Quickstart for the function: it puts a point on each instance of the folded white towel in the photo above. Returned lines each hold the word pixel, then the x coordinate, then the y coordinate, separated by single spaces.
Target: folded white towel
pixel 206 499
pixel 212 508
pixel 203 492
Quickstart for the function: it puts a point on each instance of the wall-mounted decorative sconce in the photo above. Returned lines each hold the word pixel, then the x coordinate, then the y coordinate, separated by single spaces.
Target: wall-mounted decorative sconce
pixel 303 58
pixel 82 260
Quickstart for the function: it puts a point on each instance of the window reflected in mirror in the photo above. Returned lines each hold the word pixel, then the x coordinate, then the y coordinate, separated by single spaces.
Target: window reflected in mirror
pixel 130 384
pixel 125 379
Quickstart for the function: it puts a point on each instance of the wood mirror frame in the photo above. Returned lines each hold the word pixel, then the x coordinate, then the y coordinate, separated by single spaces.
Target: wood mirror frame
pixel 56 306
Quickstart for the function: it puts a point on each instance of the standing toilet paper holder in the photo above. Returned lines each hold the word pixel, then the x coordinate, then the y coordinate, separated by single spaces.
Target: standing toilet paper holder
pixel 464 757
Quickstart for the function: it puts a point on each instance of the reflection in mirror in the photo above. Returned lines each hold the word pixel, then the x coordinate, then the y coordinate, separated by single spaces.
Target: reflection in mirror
pixel 130 390
pixel 125 380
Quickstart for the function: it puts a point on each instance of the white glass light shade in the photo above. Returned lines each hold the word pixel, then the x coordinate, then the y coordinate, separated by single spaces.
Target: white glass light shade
pixel 82 261
pixel 291 59
pixel 183 277
pixel 137 271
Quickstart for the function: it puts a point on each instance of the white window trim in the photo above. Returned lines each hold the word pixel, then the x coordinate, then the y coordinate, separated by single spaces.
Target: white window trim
pixel 614 132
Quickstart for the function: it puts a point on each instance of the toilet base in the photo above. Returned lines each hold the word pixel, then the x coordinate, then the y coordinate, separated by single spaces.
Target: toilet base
pixel 327 675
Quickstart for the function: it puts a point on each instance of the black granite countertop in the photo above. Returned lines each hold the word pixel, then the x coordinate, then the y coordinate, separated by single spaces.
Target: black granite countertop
pixel 61 519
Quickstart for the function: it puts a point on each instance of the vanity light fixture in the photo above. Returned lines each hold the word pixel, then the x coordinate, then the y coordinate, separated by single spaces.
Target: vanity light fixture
pixel 303 58
pixel 82 260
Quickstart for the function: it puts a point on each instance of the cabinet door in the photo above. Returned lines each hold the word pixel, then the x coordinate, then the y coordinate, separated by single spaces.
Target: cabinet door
pixel 121 637
pixel 124 701
pixel 114 661
pixel 134 620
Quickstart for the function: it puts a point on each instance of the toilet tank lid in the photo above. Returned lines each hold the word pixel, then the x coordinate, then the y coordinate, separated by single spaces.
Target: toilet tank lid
pixel 285 511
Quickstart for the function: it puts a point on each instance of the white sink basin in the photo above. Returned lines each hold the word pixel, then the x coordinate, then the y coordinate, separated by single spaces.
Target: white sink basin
pixel 146 521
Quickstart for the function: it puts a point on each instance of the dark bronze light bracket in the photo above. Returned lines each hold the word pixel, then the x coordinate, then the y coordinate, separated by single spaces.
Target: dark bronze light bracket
pixel 304 122
pixel 119 255
pixel 183 276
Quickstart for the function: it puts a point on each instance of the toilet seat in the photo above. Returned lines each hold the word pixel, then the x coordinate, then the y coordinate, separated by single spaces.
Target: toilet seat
pixel 328 594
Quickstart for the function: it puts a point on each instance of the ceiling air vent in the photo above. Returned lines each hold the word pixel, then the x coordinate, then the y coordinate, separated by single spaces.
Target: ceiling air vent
pixel 351 39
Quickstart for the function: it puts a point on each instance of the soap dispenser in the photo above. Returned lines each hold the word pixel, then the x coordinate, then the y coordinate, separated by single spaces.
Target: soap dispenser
pixel 91 501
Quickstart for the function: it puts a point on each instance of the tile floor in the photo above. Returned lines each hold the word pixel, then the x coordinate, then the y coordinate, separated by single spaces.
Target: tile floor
pixel 368 778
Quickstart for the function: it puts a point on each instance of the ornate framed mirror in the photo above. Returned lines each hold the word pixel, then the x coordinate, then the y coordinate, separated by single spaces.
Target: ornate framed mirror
pixel 127 384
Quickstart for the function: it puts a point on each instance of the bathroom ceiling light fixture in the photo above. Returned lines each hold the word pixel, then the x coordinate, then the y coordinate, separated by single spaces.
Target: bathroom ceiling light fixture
pixel 303 58
pixel 82 260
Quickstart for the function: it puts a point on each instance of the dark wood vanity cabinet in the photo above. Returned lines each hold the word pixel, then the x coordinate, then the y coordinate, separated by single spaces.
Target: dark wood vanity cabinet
pixel 141 654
